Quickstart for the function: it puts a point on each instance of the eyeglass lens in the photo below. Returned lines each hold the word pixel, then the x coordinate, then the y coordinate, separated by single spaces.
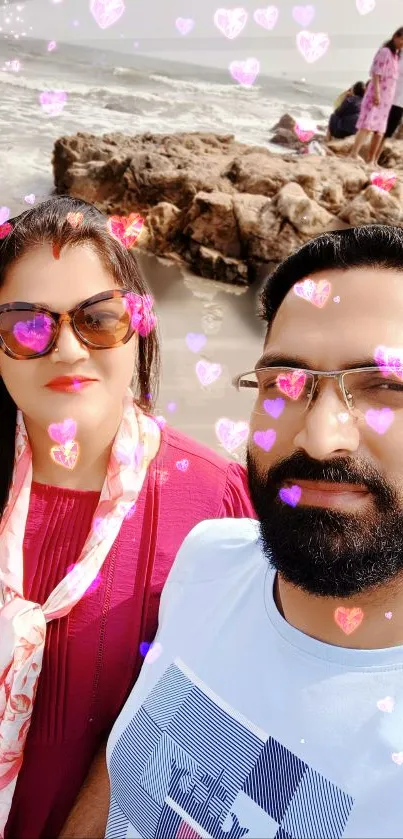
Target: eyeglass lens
pixel 281 391
pixel 102 324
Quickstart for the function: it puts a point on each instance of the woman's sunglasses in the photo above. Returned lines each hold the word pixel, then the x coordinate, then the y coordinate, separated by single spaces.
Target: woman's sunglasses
pixel 101 322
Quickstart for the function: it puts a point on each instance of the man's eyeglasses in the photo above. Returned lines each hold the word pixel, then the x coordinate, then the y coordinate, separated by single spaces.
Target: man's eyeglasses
pixel 294 389
pixel 101 322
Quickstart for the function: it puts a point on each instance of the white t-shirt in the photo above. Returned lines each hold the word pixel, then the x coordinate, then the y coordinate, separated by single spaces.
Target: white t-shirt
pixel 240 725
pixel 398 100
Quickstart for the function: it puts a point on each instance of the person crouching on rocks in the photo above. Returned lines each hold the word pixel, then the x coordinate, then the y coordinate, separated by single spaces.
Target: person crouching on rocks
pixel 343 121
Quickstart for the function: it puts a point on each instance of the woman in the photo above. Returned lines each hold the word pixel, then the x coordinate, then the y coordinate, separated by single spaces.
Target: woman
pixel 343 121
pixel 95 500
pixel 378 98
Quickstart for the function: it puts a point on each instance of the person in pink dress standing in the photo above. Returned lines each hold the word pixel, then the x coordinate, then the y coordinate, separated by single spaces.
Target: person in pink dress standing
pixel 378 98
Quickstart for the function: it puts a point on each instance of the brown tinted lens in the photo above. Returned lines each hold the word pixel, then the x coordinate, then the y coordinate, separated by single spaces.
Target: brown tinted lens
pixel 26 333
pixel 105 323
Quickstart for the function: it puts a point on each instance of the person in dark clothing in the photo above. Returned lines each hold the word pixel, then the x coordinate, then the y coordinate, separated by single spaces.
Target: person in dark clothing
pixel 343 121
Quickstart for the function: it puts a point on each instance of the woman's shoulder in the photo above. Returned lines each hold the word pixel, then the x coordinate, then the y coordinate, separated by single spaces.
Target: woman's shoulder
pixel 179 445
pixel 222 482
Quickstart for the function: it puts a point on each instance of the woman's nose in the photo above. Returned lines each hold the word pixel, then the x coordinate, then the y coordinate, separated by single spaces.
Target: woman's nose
pixel 68 345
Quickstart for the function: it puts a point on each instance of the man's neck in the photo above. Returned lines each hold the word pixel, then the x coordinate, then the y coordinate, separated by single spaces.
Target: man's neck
pixel 376 623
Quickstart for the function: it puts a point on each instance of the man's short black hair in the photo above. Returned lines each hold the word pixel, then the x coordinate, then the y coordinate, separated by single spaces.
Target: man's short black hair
pixel 373 245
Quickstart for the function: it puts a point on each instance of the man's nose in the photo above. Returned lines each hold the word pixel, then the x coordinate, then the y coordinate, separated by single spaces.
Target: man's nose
pixel 328 427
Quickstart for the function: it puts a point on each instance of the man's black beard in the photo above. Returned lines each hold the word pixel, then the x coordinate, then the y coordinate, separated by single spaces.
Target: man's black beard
pixel 327 552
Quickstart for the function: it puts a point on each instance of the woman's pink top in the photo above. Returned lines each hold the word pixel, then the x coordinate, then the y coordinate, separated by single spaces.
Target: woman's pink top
pixel 92 656
pixel 375 117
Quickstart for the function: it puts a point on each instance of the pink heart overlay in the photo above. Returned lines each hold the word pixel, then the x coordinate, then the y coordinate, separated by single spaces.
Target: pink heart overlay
pixel 74 219
pixel 304 134
pixel 207 372
pixel 63 432
pixel 383 181
pixel 314 292
pixel 290 495
pixel 245 72
pixel 182 465
pixel 397 757
pixel 266 17
pixel 184 25
pixel 154 652
pixel 387 704
pixel 33 334
pixel 312 45
pixel 364 7
pixel 348 619
pixel 5 229
pixel 53 101
pixel 65 455
pixel 30 199
pixel 106 12
pixel 195 341
pixel 292 384
pixel 379 420
pixel 389 360
pixel 231 22
pixel 265 439
pixel 303 15
pixel 4 214
pixel 231 434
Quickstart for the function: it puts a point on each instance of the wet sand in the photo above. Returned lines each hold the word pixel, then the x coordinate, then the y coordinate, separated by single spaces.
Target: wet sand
pixel 227 316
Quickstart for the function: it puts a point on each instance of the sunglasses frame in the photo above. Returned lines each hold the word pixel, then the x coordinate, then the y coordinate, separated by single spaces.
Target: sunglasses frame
pixel 64 317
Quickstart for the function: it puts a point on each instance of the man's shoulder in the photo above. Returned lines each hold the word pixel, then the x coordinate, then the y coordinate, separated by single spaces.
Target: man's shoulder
pixel 216 547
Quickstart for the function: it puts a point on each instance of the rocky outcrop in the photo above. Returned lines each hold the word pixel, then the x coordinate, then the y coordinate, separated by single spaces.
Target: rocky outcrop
pixel 227 209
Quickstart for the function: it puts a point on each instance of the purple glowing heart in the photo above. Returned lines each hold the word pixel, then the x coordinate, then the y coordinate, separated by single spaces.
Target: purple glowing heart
pixel 144 648
pixel 274 407
pixel 195 341
pixel 265 439
pixel 379 420
pixel 290 495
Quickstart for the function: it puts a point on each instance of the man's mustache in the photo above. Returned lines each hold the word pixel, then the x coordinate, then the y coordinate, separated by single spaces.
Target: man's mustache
pixel 341 470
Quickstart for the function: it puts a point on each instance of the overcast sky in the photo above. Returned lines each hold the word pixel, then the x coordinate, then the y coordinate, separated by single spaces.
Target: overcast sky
pixel 148 26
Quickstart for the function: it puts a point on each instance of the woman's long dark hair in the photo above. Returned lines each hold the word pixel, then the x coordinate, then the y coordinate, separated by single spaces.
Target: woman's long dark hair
pixel 391 44
pixel 47 223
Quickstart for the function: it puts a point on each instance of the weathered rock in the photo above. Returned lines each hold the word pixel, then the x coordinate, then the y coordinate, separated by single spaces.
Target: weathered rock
pixel 371 206
pixel 211 222
pixel 229 210
pixel 306 215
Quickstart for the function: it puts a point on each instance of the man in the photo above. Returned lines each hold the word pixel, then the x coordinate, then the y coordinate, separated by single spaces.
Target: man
pixel 271 702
